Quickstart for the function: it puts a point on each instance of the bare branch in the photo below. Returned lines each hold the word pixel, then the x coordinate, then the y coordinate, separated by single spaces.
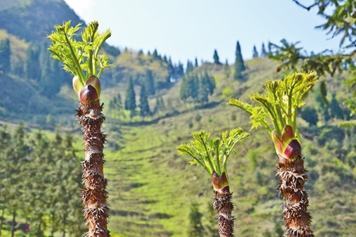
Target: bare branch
pixel 307 8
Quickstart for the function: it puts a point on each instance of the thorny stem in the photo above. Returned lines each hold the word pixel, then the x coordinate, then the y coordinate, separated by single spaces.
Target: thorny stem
pixel 94 194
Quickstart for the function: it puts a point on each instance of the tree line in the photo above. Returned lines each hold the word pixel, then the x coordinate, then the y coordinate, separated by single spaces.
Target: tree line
pixel 38 179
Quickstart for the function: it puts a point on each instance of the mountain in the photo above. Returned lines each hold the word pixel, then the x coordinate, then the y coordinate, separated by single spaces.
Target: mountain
pixel 150 186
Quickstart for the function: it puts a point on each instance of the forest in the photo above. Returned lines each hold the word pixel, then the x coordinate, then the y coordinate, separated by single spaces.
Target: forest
pixel 270 132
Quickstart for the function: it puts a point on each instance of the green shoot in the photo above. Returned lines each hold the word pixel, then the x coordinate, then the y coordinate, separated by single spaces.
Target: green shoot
pixel 212 153
pixel 278 106
pixel 81 58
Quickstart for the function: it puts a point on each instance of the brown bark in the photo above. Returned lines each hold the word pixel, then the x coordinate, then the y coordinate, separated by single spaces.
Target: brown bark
pixel 291 187
pixel 94 194
pixel 223 207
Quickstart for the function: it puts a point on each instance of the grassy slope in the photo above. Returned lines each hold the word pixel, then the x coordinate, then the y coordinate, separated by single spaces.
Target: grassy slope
pixel 151 187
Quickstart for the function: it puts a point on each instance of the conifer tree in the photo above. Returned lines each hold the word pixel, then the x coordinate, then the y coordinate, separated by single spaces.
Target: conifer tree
pixel 216 57
pixel 254 52
pixel 144 107
pixel 239 63
pixel 190 67
pixel 263 51
pixel 150 83
pixel 196 62
pixel 5 53
pixel 130 98
pixel 196 228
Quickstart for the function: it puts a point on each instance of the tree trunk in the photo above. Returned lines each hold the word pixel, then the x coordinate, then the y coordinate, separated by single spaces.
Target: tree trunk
pixel 223 207
pixel 2 220
pixel 291 187
pixel 94 194
pixel 13 223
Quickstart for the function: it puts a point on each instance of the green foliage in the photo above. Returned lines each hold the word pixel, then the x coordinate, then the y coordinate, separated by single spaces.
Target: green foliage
pixel 280 102
pixel 196 228
pixel 81 58
pixel 212 153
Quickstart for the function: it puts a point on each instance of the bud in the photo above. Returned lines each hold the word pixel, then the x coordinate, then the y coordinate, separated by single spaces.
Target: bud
pixel 288 146
pixel 220 184
pixel 88 93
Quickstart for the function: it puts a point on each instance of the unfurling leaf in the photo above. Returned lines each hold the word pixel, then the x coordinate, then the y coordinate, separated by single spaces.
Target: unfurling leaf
pixel 95 82
pixel 77 86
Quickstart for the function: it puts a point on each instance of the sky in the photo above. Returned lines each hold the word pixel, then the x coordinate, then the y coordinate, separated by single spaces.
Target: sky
pixel 189 29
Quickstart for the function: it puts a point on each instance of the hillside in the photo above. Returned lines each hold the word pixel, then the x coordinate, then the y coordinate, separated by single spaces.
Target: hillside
pixel 151 187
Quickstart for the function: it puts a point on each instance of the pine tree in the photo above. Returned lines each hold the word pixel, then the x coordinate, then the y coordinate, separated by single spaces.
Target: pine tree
pixel 5 53
pixel 130 99
pixel 196 228
pixel 149 83
pixel 190 67
pixel 144 107
pixel 196 63
pixel 216 57
pixel 254 52
pixel 239 63
pixel 263 51
pixel 31 64
pixel 211 227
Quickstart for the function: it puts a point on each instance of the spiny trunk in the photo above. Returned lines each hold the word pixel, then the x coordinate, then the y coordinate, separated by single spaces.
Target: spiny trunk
pixel 223 207
pixel 94 194
pixel 291 187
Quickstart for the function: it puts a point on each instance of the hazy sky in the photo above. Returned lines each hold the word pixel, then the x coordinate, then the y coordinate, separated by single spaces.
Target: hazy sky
pixel 189 29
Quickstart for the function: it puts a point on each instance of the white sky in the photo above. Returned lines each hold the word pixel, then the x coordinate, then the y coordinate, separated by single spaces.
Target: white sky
pixel 189 29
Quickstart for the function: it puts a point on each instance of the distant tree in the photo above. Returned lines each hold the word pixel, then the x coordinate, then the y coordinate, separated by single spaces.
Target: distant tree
pixel 190 67
pixel 5 53
pixel 216 57
pixel 144 107
pixel 150 83
pixel 140 52
pixel 31 64
pixel 189 87
pixel 196 228
pixel 335 109
pixel 155 54
pixel 130 99
pixel 263 51
pixel 239 63
pixel 179 70
pixel 211 227
pixel 310 115
pixel 159 105
pixel 254 52
pixel 196 62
